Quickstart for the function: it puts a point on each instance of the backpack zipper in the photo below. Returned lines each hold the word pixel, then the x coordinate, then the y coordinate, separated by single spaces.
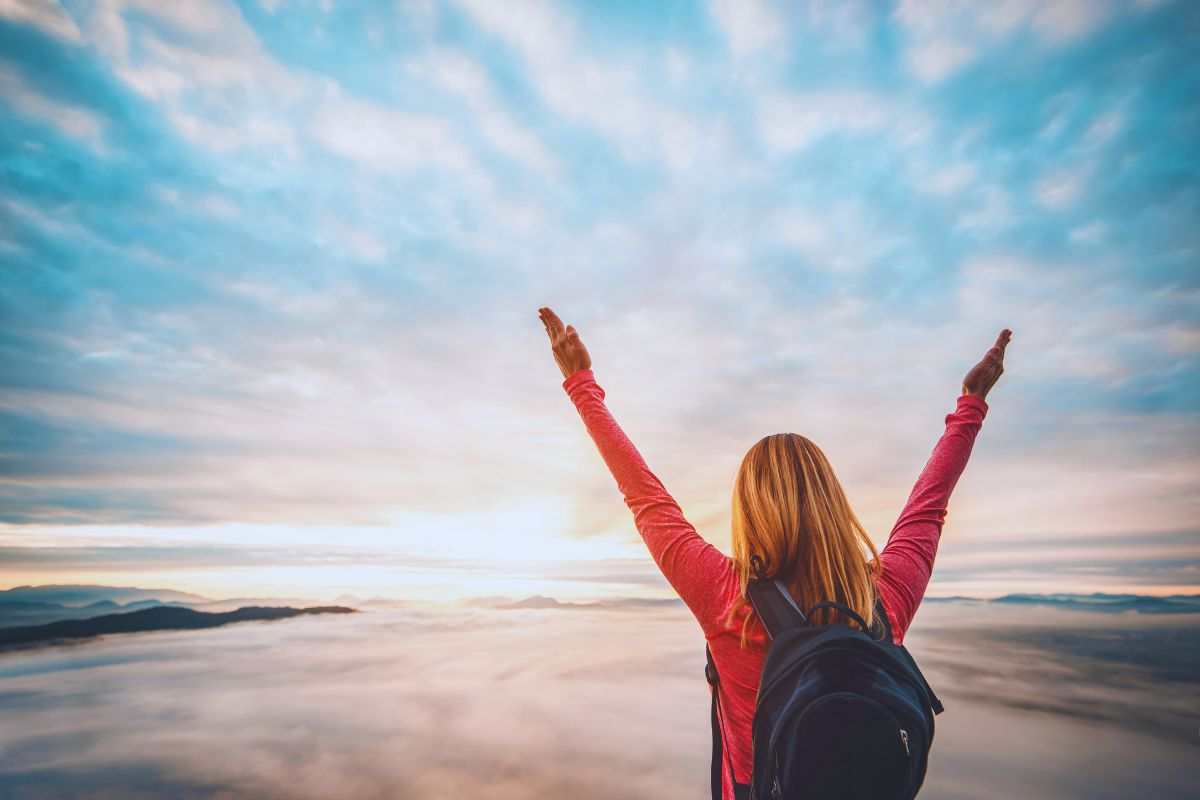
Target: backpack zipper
pixel 904 738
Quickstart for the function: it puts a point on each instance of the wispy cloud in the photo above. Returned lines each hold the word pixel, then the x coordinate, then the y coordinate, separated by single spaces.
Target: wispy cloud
pixel 46 15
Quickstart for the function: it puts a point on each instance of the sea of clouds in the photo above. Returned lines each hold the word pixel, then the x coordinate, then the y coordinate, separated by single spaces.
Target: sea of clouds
pixel 579 703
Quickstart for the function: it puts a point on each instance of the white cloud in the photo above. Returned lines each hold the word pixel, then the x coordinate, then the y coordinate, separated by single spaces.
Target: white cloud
pixel 47 15
pixel 679 66
pixel 946 35
pixel 950 179
pixel 258 131
pixel 209 203
pixel 606 96
pixel 1182 338
pixel 836 237
pixel 992 212
pixel 845 22
pixel 385 138
pixel 1058 111
pixel 1090 233
pixel 341 236
pixel 749 25
pixel 937 58
pixel 204 65
pixel 758 28
pixel 463 76
pixel 1104 127
pixel 1067 316
pixel 1065 20
pixel 793 120
pixel 79 123
pixel 223 91
pixel 587 90
pixel 1059 189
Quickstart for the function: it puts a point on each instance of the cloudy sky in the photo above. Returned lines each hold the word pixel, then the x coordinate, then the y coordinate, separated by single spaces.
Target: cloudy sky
pixel 271 270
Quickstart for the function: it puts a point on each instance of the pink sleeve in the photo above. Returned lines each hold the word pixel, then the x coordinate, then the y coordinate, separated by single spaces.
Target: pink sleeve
pixel 699 572
pixel 907 557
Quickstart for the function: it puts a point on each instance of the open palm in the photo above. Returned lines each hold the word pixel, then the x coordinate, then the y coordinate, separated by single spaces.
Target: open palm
pixel 983 376
pixel 568 348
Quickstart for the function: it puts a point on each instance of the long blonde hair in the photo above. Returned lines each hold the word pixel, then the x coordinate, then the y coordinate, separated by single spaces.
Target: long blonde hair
pixel 790 511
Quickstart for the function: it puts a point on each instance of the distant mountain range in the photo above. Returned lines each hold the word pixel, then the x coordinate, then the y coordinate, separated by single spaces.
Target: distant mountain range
pixel 541 601
pixel 80 595
pixel 31 613
pixel 38 605
pixel 1097 601
pixel 158 618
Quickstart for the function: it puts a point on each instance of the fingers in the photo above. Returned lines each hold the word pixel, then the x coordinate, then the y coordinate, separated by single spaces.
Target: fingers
pixel 1002 341
pixel 554 326
pixel 564 340
pixel 997 351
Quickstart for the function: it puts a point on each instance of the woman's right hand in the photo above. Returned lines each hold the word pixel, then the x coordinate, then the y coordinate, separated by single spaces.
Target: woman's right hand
pixel 983 376
pixel 568 348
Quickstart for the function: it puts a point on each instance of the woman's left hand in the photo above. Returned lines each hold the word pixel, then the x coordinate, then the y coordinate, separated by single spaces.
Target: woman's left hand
pixel 983 376
pixel 568 348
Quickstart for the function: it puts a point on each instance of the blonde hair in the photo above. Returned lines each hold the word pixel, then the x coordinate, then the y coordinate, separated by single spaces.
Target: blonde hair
pixel 790 511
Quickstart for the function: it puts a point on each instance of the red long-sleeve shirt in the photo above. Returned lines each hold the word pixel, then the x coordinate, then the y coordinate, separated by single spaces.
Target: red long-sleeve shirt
pixel 704 577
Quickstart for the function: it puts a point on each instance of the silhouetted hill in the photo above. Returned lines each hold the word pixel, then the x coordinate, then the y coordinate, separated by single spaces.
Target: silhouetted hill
pixel 21 606
pixel 954 598
pixel 538 601
pixel 486 601
pixel 140 604
pixel 101 605
pixel 82 595
pixel 39 605
pixel 640 602
pixel 159 618
pixel 14 613
pixel 1099 601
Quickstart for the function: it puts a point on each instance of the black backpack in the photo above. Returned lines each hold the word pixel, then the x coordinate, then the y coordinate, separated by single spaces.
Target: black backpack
pixel 842 713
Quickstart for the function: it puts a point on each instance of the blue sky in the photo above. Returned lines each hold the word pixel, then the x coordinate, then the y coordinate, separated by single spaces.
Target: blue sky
pixel 271 272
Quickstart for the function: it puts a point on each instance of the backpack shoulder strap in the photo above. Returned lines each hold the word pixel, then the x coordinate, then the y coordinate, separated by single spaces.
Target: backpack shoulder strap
pixel 884 624
pixel 774 605
pixel 934 702
pixel 718 744
pixel 906 656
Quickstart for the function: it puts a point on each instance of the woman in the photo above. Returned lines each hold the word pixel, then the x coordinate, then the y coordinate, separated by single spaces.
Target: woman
pixel 789 510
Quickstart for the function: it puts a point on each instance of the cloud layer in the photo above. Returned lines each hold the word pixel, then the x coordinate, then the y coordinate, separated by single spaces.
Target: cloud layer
pixel 535 704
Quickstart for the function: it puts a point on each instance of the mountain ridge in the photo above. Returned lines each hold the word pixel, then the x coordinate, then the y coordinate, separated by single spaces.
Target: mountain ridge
pixel 157 618
pixel 1095 601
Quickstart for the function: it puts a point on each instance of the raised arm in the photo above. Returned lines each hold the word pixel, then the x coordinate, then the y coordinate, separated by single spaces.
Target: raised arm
pixel 908 556
pixel 699 572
